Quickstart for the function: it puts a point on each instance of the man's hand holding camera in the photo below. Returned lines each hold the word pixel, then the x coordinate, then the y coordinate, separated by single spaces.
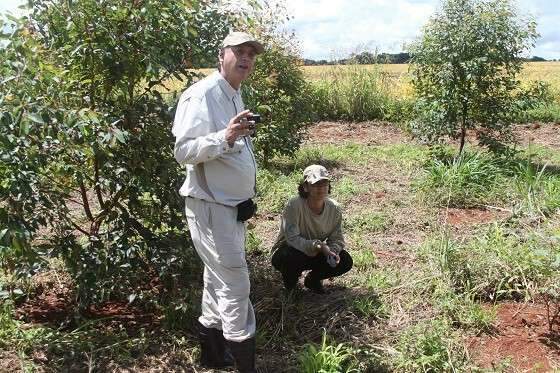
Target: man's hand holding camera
pixel 243 124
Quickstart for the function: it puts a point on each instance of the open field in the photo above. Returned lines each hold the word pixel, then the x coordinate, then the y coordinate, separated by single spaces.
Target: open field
pixel 404 307
pixel 545 71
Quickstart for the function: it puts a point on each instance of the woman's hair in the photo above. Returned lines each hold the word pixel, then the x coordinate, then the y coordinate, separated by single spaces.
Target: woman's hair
pixel 303 194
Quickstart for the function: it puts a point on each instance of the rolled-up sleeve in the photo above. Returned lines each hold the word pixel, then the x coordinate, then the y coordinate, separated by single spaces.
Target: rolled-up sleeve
pixel 196 138
pixel 290 227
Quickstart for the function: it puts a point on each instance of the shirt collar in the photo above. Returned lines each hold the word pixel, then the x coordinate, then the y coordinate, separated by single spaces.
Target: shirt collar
pixel 229 91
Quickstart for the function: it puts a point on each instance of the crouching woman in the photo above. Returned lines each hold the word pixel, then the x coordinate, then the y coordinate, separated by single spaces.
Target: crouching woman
pixel 310 235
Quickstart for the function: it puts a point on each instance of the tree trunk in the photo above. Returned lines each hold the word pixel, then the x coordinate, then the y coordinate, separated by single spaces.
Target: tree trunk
pixel 463 127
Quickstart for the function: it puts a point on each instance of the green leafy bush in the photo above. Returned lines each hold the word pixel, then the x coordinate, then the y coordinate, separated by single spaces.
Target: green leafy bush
pixel 279 92
pixel 86 147
pixel 465 68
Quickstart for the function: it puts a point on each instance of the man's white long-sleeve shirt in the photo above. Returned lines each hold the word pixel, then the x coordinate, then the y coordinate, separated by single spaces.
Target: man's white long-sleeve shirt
pixel 215 171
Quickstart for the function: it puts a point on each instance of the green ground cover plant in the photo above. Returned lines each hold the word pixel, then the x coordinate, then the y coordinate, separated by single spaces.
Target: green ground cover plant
pixel 498 263
pixel 326 358
pixel 430 347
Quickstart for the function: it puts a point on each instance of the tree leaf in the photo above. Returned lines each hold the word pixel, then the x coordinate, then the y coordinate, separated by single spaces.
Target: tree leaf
pixel 36 117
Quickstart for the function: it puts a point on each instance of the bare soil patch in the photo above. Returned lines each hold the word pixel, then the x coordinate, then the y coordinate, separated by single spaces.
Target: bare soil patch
pixel 545 134
pixel 371 133
pixel 381 133
pixel 463 218
pixel 522 338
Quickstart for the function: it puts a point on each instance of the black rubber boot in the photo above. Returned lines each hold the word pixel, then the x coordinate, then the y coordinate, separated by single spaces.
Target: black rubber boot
pixel 244 355
pixel 314 284
pixel 213 352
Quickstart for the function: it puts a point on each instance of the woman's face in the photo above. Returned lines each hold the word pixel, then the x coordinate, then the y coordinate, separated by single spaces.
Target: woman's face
pixel 319 190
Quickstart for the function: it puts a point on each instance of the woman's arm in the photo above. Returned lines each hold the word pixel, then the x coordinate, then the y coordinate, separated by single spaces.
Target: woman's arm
pixel 290 227
pixel 335 241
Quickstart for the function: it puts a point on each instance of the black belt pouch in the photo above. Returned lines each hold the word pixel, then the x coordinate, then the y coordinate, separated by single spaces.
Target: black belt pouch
pixel 246 209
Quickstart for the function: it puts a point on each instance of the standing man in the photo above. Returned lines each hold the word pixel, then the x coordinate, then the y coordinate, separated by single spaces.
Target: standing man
pixel 212 129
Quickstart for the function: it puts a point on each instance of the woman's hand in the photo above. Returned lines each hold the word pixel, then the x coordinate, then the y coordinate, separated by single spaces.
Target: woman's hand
pixel 326 250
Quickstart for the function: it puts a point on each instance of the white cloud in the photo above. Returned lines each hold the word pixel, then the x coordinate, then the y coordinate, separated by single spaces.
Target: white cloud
pixel 345 26
pixel 12 6
pixel 328 28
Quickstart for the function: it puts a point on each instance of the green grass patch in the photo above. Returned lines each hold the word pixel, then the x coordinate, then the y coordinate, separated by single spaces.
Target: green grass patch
pixel 469 180
pixel 364 258
pixel 496 264
pixel 275 189
pixel 346 188
pixel 462 309
pixel 15 337
pixel 403 155
pixel 542 154
pixel 367 222
pixel 545 112
pixel 538 192
pixel 370 306
pixel 326 358
pixel 377 280
pixel 253 243
pixel 430 347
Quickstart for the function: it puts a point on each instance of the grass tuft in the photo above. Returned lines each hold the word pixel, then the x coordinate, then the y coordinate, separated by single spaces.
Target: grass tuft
pixel 326 358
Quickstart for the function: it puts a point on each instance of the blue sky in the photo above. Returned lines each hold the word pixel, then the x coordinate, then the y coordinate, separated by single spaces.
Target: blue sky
pixel 334 28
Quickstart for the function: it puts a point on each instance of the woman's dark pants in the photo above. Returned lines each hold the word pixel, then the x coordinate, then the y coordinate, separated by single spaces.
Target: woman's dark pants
pixel 292 262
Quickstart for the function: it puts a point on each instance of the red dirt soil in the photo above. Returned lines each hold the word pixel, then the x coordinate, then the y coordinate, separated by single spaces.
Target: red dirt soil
pixel 522 337
pixel 547 135
pixel 55 309
pixel 469 217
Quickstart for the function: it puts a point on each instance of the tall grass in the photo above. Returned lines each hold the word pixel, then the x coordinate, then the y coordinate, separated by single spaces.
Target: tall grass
pixel 497 264
pixel 384 92
pixel 468 180
pixel 538 191
pixel 353 93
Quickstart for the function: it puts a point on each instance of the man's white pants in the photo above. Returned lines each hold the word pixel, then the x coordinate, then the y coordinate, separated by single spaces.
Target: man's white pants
pixel 219 240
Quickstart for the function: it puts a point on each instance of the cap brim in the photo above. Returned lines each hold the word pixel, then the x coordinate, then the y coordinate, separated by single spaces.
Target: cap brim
pixel 319 179
pixel 259 48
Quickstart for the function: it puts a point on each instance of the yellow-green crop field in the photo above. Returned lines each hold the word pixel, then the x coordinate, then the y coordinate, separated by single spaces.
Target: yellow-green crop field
pixel 398 73
pixel 398 78
pixel 547 71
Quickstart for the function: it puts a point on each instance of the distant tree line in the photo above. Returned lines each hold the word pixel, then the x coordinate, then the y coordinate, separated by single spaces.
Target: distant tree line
pixel 368 58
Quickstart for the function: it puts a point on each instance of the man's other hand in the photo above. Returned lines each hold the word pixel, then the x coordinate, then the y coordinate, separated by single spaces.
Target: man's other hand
pixel 239 126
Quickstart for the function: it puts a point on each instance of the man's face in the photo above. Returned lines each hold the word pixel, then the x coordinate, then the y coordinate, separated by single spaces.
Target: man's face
pixel 237 63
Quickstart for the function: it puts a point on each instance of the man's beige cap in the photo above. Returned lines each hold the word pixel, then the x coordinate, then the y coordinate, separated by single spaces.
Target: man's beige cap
pixel 238 38
pixel 314 173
